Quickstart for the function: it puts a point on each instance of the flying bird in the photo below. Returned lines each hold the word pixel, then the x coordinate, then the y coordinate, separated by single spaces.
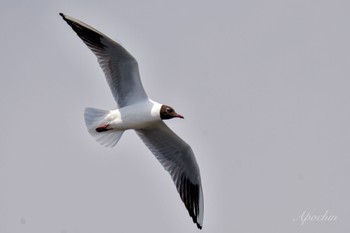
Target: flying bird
pixel 135 110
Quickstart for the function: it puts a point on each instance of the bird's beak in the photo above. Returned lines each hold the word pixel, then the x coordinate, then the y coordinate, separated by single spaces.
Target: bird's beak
pixel 179 116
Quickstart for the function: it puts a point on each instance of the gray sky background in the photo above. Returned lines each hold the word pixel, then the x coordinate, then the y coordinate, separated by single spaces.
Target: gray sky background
pixel 263 85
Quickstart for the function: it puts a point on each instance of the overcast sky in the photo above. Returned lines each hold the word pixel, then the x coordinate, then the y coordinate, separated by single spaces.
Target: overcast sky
pixel 264 88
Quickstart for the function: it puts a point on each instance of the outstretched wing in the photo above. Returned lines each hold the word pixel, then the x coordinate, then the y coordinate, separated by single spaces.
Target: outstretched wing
pixel 177 158
pixel 120 67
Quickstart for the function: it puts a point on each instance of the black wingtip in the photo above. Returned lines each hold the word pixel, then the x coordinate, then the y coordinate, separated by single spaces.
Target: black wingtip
pixel 199 226
pixel 90 36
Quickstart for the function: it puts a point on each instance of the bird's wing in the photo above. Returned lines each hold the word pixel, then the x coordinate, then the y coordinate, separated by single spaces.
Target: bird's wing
pixel 120 67
pixel 177 158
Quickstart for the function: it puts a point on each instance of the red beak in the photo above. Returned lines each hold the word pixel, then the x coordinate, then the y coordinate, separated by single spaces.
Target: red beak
pixel 180 116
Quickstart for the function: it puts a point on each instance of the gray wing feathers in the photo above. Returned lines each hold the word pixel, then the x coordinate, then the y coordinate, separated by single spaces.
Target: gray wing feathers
pixel 177 158
pixel 120 67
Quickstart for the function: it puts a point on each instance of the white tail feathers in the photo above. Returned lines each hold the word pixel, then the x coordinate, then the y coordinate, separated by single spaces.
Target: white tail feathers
pixel 95 118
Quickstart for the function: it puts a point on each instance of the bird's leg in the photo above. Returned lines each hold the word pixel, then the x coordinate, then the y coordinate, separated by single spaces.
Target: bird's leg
pixel 103 128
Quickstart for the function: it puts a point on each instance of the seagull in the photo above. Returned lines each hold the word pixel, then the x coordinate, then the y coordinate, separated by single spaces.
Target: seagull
pixel 135 110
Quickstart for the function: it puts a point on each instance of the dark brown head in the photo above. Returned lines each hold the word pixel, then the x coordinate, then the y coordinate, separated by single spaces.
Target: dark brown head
pixel 167 112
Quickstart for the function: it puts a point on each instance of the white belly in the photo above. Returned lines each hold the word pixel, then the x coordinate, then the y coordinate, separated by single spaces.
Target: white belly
pixel 135 116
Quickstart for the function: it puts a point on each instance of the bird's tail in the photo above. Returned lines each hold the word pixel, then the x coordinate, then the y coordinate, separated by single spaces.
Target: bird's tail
pixel 96 121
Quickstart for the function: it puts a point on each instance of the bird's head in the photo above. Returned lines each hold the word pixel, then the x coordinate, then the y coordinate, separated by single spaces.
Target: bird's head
pixel 167 112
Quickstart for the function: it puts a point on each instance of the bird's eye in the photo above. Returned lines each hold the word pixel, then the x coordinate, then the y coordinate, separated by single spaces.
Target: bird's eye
pixel 169 110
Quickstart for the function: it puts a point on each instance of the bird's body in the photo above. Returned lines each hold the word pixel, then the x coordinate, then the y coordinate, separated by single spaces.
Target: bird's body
pixel 136 111
pixel 136 116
